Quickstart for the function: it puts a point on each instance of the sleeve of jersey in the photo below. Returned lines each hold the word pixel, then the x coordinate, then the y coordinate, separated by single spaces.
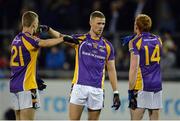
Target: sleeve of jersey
pixel 32 40
pixel 135 49
pixel 110 50
pixel 81 37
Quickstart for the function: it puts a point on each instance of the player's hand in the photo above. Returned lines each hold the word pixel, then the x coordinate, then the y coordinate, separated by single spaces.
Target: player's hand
pixel 70 39
pixel 43 28
pixel 132 95
pixel 41 84
pixel 116 101
pixel 125 40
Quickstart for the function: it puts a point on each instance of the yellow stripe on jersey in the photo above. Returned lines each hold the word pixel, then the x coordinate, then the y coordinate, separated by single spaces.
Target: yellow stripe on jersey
pixel 83 37
pixel 108 48
pixel 139 81
pixel 21 56
pixel 138 44
pixel 30 75
pixel 103 78
pixel 131 43
pixel 75 78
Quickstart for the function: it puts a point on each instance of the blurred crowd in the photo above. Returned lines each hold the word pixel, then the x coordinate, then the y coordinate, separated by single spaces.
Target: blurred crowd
pixel 72 17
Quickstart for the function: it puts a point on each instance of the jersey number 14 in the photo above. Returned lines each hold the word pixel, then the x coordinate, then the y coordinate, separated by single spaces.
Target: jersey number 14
pixel 155 57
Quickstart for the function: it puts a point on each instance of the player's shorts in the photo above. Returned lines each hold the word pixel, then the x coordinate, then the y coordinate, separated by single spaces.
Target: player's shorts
pixel 91 97
pixel 26 99
pixel 149 100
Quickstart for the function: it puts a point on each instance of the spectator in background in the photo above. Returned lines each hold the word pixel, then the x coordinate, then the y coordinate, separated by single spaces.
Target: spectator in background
pixel 165 17
pixel 169 51
pixel 146 7
pixel 70 60
pixel 140 6
pixel 4 64
pixel 60 13
pixel 96 5
pixel 55 58
pixel 114 7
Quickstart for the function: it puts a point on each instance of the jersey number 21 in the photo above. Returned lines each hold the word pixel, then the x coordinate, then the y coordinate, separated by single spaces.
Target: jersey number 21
pixel 17 53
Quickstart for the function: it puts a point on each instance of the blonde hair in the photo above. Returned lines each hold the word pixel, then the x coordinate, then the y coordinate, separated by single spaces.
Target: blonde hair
pixel 143 22
pixel 96 14
pixel 28 18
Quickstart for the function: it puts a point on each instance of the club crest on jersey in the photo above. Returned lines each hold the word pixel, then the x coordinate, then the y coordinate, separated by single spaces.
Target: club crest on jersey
pixel 101 48
pixel 95 45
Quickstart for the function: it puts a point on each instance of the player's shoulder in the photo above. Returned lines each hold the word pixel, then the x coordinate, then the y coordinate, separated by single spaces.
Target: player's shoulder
pixel 106 40
pixel 158 38
pixel 135 39
pixel 80 36
pixel 107 43
pixel 155 35
pixel 29 36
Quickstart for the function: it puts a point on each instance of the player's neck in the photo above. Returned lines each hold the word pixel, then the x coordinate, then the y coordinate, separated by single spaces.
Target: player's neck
pixel 27 30
pixel 93 35
pixel 138 32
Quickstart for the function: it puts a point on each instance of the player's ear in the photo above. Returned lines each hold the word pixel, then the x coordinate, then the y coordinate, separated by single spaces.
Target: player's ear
pixel 90 22
pixel 136 28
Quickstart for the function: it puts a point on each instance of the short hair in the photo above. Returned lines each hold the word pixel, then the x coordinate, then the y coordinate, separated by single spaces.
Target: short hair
pixel 28 18
pixel 96 14
pixel 143 22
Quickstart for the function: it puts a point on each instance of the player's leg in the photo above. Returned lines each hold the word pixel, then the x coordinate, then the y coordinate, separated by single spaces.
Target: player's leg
pixel 17 113
pixel 137 114
pixel 15 104
pixel 95 102
pixel 153 114
pixel 78 99
pixel 75 111
pixel 138 103
pixel 93 114
pixel 27 114
pixel 28 102
pixel 154 111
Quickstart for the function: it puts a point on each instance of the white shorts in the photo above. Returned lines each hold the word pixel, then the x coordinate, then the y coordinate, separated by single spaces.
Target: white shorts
pixel 149 100
pixel 26 99
pixel 88 96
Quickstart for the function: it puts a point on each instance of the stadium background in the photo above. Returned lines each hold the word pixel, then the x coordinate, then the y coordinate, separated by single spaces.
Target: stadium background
pixel 56 64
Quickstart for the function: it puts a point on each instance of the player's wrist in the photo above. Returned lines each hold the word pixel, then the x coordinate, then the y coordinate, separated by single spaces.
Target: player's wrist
pixel 115 92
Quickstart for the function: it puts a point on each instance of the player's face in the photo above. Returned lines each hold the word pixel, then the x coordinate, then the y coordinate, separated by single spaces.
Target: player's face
pixel 97 25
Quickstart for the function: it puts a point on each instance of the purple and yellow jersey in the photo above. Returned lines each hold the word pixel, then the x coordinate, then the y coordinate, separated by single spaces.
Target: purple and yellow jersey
pixel 149 48
pixel 24 52
pixel 91 57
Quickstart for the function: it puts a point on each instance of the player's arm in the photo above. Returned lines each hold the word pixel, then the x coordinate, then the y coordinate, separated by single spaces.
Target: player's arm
pixel 50 42
pixel 112 74
pixel 113 80
pixel 53 33
pixel 55 41
pixel 134 63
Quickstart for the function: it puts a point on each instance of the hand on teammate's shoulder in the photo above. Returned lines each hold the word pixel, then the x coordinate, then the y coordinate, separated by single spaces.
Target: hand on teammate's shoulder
pixel 70 39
